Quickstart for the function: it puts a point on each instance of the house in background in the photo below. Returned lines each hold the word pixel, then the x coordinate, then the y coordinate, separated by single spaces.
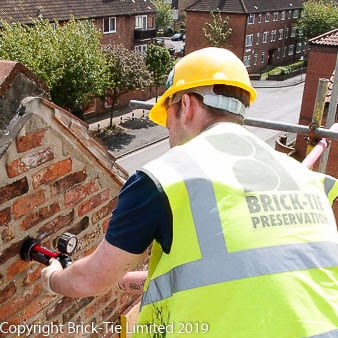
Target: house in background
pixel 128 22
pixel 262 31
pixel 322 60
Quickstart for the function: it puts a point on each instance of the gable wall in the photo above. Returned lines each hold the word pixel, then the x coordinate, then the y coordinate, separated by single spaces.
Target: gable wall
pixel 50 184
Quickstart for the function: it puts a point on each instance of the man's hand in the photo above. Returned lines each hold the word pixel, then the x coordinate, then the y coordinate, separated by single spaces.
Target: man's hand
pixel 46 273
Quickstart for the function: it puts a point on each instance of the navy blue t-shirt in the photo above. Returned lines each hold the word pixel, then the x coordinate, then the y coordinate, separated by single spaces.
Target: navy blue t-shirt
pixel 142 214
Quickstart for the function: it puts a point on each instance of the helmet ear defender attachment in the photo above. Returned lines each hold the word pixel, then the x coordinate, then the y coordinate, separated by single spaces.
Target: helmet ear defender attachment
pixel 205 68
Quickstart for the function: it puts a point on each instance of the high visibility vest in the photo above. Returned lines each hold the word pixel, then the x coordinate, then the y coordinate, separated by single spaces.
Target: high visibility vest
pixel 255 248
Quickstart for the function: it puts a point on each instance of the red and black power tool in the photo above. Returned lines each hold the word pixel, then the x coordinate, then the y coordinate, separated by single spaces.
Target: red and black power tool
pixel 31 250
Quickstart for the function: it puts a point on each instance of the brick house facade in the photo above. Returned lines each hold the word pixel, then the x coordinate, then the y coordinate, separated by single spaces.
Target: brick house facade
pixel 54 177
pixel 322 59
pixel 262 32
pixel 128 22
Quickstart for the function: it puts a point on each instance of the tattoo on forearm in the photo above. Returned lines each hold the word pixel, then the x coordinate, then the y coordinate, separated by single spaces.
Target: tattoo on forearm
pixel 136 286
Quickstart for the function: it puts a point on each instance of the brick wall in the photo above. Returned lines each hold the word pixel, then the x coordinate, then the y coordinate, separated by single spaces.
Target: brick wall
pixel 50 183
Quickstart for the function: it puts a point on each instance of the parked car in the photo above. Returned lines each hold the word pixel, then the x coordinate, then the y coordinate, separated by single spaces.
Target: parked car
pixel 177 37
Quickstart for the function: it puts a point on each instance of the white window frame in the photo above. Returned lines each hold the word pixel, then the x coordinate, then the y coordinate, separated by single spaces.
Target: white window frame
pixel 283 15
pixel 295 14
pixel 111 25
pixel 275 16
pixel 262 57
pixel 141 21
pixel 251 19
pixel 293 32
pixel 141 48
pixel 255 59
pixel 259 18
pixel 267 17
pixel 247 60
pixel 258 37
pixel 248 40
pixel 291 49
pixel 281 34
pixel 273 35
pixel 299 48
pixel 265 37
pixel 289 14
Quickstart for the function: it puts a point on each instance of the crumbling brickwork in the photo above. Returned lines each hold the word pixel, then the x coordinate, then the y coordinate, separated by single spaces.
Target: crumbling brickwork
pixel 53 179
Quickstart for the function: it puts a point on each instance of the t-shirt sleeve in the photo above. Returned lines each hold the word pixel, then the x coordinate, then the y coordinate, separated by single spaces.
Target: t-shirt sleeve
pixel 142 214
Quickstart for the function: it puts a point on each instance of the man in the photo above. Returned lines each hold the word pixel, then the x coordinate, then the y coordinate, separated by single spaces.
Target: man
pixel 244 238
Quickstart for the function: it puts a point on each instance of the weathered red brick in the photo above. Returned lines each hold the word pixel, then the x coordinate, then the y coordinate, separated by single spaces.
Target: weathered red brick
pixel 30 141
pixel 93 202
pixel 7 234
pixel 17 267
pixel 56 224
pixel 7 292
pixel 52 172
pixel 16 303
pixel 77 306
pixel 29 161
pixel 10 252
pixel 14 189
pixel 40 215
pixel 105 211
pixel 5 216
pixel 32 275
pixel 59 307
pixel 68 182
pixel 27 203
pixel 77 194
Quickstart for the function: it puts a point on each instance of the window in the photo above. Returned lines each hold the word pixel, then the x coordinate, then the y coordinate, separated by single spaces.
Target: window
pixel 293 32
pixel 141 48
pixel 251 19
pixel 259 18
pixel 247 61
pixel 265 37
pixel 296 14
pixel 267 16
pixel 258 36
pixel 281 34
pixel 275 16
pixel 109 25
pixel 286 33
pixel 299 47
pixel 289 14
pixel 262 57
pixel 248 40
pixel 283 15
pixel 255 59
pixel 284 52
pixel 141 21
pixel 273 35
pixel 290 49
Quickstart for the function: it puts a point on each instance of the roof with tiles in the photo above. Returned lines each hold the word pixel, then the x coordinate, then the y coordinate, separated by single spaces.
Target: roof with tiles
pixel 25 10
pixel 245 6
pixel 329 39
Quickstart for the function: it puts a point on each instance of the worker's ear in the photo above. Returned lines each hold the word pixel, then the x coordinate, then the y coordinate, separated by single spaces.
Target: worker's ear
pixel 187 108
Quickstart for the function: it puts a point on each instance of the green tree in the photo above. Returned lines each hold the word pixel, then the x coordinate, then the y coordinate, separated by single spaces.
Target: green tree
pixel 67 58
pixel 159 63
pixel 218 31
pixel 127 71
pixel 164 16
pixel 318 17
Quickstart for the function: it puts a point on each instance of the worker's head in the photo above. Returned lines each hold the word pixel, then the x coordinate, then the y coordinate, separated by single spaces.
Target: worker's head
pixel 213 81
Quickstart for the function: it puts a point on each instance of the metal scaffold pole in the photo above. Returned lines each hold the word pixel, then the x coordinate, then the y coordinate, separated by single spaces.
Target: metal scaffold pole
pixel 254 122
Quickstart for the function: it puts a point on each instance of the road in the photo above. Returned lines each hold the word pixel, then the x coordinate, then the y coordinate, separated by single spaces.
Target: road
pixel 277 104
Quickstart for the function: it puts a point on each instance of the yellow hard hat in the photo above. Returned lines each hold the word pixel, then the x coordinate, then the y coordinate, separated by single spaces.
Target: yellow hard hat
pixel 203 67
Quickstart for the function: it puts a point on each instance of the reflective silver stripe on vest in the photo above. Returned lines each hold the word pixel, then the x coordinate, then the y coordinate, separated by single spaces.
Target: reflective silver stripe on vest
pixel 330 334
pixel 329 182
pixel 217 265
